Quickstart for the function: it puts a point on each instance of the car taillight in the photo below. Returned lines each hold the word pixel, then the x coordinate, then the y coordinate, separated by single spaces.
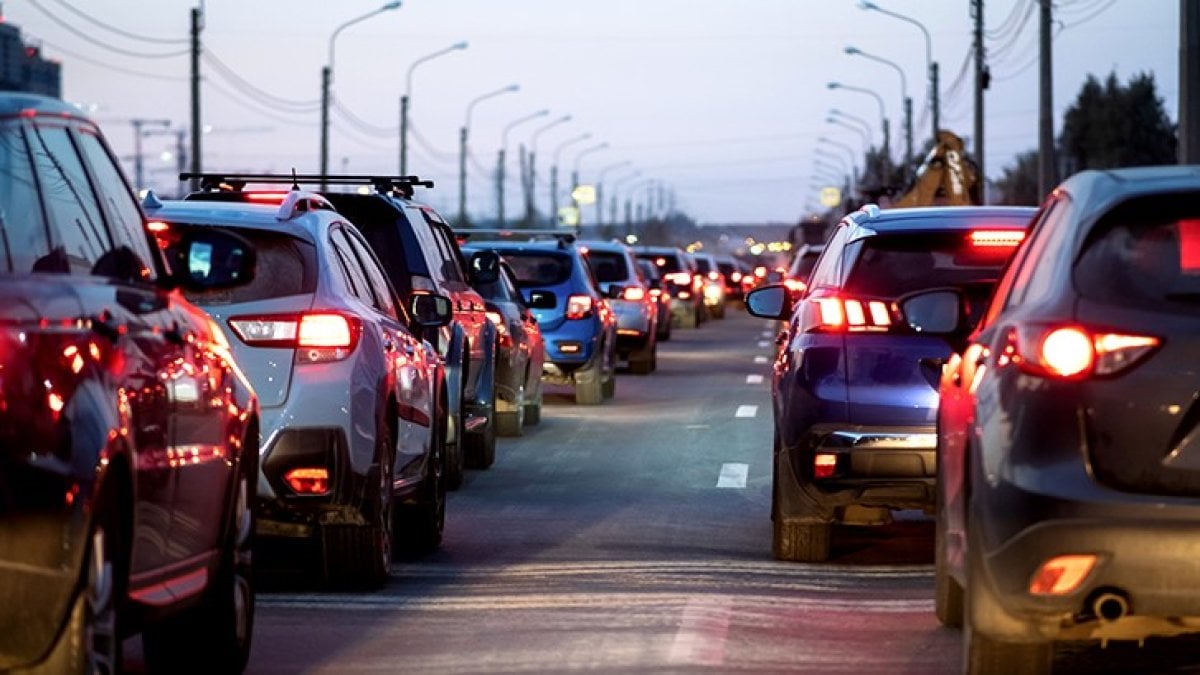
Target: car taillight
pixel 697 283
pixel 1074 352
pixel 735 277
pixel 497 320
pixel 634 293
pixel 266 197
pixel 579 307
pixel 317 336
pixel 795 285
pixel 849 314
pixel 997 238
pixel 679 278
pixel 655 293
pixel 308 480
pixel 714 276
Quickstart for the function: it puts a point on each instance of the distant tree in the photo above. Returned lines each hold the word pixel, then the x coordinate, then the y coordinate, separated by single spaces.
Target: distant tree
pixel 1019 184
pixel 1114 125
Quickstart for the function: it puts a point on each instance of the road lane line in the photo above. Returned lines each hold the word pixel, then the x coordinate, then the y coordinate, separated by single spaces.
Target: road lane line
pixel 746 411
pixel 754 379
pixel 764 344
pixel 733 475
pixel 703 628
pixel 760 359
pixel 768 334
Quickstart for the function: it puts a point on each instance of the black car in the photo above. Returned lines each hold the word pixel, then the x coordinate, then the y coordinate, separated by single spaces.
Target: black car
pixel 1069 484
pixel 128 439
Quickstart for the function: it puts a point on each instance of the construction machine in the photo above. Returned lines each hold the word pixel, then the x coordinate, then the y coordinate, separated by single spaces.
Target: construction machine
pixel 946 177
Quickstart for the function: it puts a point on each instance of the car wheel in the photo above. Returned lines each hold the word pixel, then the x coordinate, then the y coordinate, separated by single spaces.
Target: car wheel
pixel 420 526
pixel 90 641
pixel 215 636
pixel 948 593
pixel 642 362
pixel 608 388
pixel 800 541
pixel 533 408
pixel 512 423
pixel 479 448
pixel 983 655
pixel 361 555
pixel 688 321
pixel 589 389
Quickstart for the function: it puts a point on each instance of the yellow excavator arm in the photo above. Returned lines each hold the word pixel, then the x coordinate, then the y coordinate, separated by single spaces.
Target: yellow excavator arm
pixel 945 178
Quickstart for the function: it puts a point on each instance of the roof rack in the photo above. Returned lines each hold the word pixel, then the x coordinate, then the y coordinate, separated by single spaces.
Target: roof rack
pixel 564 238
pixel 235 182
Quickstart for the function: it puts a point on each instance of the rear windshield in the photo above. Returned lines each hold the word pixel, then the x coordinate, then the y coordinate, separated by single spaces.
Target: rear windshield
pixel 702 265
pixel 1145 254
pixel 534 268
pixel 666 262
pixel 285 266
pixel 608 266
pixel 803 265
pixel 892 265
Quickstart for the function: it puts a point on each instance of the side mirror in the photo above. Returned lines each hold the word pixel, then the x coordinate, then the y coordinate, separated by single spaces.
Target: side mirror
pixel 770 302
pixel 541 300
pixel 484 267
pixel 936 312
pixel 209 259
pixel 430 310
pixel 615 291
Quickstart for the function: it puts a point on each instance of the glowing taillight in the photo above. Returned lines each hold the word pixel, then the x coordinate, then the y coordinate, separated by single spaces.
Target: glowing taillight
pixel 1062 574
pixel 496 318
pixel 579 306
pixel 1067 352
pixel 997 238
pixel 735 277
pixel 308 480
pixel 831 313
pixel 679 278
pixel 795 285
pixel 714 276
pixel 266 197
pixel 325 331
pixel 634 293
pixel 824 465
pixel 697 283
pixel 852 314
pixel 655 293
pixel 157 226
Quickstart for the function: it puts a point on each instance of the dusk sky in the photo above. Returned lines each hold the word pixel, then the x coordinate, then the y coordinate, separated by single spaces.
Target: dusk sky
pixel 721 101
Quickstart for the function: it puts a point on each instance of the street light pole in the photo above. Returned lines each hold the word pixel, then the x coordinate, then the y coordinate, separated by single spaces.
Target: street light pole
pixel 849 153
pixel 845 116
pixel 600 189
pixel 616 186
pixel 930 64
pixel 866 139
pixel 531 178
pixel 326 80
pixel 462 148
pixel 575 177
pixel 882 111
pixel 500 161
pixel 904 97
pixel 406 98
pixel 554 173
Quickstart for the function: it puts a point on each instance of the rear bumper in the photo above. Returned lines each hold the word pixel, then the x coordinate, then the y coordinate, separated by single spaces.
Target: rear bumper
pixel 282 512
pixel 873 453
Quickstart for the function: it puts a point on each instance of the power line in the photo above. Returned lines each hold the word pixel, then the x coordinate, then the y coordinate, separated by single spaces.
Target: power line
pixel 99 43
pixel 1009 23
pixel 1091 16
pixel 119 31
pixel 248 88
pixel 109 66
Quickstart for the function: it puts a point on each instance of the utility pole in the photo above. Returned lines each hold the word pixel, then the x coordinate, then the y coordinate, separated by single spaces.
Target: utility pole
pixel 197 129
pixel 1189 81
pixel 554 195
pixel 500 188
pixel 981 83
pixel 934 99
pixel 139 173
pixel 404 134
pixel 908 147
pixel 1046 177
pixel 462 176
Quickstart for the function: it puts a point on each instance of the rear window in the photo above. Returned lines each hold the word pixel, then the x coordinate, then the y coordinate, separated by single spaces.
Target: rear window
pixel 702 265
pixel 538 269
pixel 1145 254
pixel 803 265
pixel 608 266
pixel 892 265
pixel 666 262
pixel 285 266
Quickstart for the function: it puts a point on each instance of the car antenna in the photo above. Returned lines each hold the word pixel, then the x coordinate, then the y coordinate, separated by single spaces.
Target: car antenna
pixel 295 182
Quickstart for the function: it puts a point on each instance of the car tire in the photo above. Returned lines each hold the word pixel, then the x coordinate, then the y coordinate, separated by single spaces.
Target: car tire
pixel 215 636
pixel 90 641
pixel 642 361
pixel 719 311
pixel 419 527
pixel 360 555
pixel 983 655
pixel 608 388
pixel 533 409
pixel 800 541
pixel 590 390
pixel 479 448
pixel 512 424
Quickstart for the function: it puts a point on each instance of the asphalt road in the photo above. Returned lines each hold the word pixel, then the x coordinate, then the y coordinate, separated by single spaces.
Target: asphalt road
pixel 635 537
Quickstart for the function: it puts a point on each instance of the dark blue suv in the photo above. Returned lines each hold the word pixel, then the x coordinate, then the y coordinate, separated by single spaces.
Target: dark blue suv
pixel 855 387
pixel 579 327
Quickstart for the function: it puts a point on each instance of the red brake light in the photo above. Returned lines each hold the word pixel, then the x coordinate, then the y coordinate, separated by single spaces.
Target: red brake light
pixel 157 226
pixel 495 318
pixel 856 316
pixel 655 293
pixel 735 277
pixel 679 278
pixel 997 238
pixel 266 197
pixel 308 480
pixel 714 276
pixel 795 285
pixel 325 330
pixel 1072 352
pixel 579 306
pixel 1067 352
pixel 634 293
pixel 317 337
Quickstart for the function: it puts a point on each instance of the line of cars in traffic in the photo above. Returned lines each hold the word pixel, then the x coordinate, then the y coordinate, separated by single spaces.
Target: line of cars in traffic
pixel 187 384
pixel 1028 377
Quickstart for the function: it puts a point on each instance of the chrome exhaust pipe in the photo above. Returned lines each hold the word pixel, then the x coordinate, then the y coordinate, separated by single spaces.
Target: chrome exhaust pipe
pixel 1110 606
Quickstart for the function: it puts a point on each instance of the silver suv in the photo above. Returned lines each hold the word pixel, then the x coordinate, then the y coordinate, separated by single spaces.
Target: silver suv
pixel 616 270
pixel 353 404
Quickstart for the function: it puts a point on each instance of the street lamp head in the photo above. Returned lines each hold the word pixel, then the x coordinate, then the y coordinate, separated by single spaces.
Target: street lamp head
pixel 459 45
pixel 852 50
pixel 833 85
pixel 395 4
pixel 513 87
pixel 867 5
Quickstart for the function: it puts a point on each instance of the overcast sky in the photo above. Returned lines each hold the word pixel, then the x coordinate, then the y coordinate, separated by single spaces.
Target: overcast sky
pixel 723 101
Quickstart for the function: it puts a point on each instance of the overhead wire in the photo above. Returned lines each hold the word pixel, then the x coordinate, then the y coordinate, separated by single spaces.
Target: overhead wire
pixel 110 66
pixel 240 83
pixel 118 30
pixel 100 43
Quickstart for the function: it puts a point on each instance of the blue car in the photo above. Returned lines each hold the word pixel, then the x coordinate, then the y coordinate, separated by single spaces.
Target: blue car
pixel 855 387
pixel 579 327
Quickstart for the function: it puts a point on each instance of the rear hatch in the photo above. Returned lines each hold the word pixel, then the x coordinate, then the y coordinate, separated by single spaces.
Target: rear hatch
pixel 545 273
pixel 1139 277
pixel 892 373
pixel 260 318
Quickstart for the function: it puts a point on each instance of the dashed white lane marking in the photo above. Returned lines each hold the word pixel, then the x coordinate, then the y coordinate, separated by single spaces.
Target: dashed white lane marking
pixel 760 359
pixel 768 334
pixel 746 411
pixel 703 628
pixel 763 344
pixel 733 475
pixel 697 426
pixel 754 379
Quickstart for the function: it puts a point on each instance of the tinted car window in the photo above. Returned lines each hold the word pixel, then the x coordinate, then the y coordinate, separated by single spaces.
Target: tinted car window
pixel 803 265
pixel 702 265
pixel 379 285
pixel 608 266
pixel 22 230
pixel 538 269
pixel 358 280
pixel 892 265
pixel 828 268
pixel 284 266
pixel 1145 254
pixel 666 262
pixel 79 235
pixel 124 213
